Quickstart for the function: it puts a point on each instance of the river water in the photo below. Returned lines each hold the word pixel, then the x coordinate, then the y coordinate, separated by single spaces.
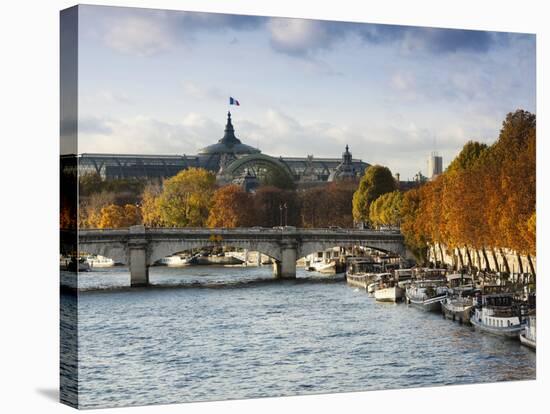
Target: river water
pixel 229 333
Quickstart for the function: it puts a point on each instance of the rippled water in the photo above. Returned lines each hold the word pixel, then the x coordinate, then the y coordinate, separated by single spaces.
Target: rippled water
pixel 256 339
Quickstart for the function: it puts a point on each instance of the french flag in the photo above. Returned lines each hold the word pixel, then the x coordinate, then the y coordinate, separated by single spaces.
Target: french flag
pixel 233 101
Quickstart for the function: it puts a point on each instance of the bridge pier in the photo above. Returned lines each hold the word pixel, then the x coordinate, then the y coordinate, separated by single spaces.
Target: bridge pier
pixel 286 267
pixel 137 252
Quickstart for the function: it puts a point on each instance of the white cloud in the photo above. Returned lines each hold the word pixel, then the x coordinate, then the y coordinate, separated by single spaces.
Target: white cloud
pixel 145 135
pixel 137 35
pixel 298 36
pixel 104 97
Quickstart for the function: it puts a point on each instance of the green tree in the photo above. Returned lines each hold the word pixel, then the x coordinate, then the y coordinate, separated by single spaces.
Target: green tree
pixel 187 197
pixel 386 209
pixel 377 180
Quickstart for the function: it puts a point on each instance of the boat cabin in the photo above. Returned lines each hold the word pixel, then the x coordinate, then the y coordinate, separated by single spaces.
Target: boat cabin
pixel 459 279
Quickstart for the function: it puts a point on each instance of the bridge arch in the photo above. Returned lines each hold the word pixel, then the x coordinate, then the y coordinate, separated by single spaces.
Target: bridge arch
pixel 118 251
pixel 158 250
pixel 308 247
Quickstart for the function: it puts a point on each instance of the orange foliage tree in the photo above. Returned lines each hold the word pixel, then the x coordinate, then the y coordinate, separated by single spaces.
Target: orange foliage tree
pixel 231 208
pixel 267 203
pixel 114 216
pixel 328 206
pixel 485 199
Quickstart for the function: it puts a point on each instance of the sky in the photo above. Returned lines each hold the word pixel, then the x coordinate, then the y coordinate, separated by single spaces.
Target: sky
pixel 158 82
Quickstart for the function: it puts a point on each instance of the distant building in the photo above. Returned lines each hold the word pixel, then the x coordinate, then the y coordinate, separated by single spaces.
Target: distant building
pixel 435 165
pixel 230 159
pixel 407 185
pixel 346 170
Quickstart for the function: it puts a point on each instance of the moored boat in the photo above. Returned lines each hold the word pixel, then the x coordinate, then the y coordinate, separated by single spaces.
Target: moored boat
pixel 497 313
pixel 322 266
pixel 403 276
pixel 173 261
pixel 98 261
pixel 426 294
pixel 458 304
pixel 361 273
pixel 528 336
pixel 77 264
pixel 387 289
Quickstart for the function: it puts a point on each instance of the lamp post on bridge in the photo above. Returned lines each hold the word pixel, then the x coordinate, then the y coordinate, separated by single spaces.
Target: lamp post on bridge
pixel 281 207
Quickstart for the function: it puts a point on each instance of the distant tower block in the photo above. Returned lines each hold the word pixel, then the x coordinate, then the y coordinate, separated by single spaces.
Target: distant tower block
pixel 435 165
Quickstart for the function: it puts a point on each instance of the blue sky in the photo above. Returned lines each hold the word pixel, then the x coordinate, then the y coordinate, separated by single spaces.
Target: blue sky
pixel 153 81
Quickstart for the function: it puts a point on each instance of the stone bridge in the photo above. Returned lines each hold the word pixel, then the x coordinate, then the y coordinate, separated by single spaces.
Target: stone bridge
pixel 139 247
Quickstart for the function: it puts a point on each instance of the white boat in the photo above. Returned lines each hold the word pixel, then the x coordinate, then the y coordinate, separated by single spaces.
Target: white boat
pixel 389 294
pixel 173 261
pixel 496 314
pixel 528 336
pixel 98 261
pixel 388 289
pixel 322 266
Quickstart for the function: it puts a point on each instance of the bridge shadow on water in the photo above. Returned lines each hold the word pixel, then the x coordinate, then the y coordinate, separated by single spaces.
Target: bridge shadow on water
pixel 226 284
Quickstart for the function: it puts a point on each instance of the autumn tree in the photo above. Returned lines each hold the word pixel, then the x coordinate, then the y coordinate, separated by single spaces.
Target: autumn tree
pixel 485 199
pixel 340 199
pixel 411 226
pixel 127 190
pixel 150 205
pixel 467 157
pixel 530 234
pixel 377 180
pixel 231 208
pixel 269 207
pixel 89 212
pixel 187 197
pixel 314 207
pixel 114 216
pixel 328 206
